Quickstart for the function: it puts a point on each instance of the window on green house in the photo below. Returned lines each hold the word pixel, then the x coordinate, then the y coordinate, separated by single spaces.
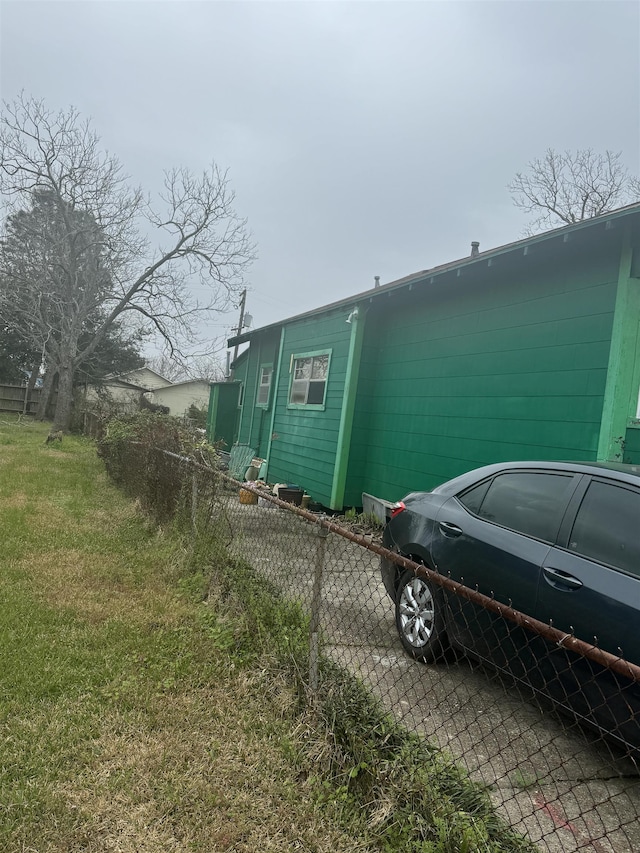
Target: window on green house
pixel 309 381
pixel 241 395
pixel 264 385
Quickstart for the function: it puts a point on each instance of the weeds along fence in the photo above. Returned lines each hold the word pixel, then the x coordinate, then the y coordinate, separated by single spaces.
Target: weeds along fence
pixel 518 771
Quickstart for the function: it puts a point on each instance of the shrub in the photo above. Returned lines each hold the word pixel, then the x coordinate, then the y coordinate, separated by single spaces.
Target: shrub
pixel 136 449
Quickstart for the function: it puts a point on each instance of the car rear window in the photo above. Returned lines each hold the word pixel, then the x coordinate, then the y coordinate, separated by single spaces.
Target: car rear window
pixel 526 501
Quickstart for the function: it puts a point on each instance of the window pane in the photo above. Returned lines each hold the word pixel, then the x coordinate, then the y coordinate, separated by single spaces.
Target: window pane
pixel 309 380
pixel 606 527
pixel 320 364
pixel 263 389
pixel 303 368
pixel 299 391
pixel 530 503
pixel 316 393
pixel 473 497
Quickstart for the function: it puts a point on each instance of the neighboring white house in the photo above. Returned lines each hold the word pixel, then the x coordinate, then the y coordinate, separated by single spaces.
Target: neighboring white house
pixel 125 392
pixel 181 395
pixel 115 393
pixel 145 377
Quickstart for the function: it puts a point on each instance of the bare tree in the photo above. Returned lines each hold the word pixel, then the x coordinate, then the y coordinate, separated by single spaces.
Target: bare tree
pixel 566 187
pixel 191 366
pixel 83 259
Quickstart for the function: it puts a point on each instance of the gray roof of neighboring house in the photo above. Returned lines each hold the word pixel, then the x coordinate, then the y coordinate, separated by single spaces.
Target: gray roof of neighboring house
pixel 469 260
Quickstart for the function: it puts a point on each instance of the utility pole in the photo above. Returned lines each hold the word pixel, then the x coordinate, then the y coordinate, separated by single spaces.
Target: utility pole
pixel 243 300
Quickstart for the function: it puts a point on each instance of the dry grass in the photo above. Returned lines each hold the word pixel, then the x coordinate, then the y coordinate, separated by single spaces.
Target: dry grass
pixel 203 777
pixel 100 587
pixel 135 716
pixel 130 719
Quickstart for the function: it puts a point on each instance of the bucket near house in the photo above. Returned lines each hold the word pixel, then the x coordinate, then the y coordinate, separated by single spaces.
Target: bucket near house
pixel 247 497
pixel 291 495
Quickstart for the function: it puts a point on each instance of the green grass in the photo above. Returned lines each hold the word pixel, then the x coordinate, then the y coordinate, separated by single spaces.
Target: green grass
pixel 152 695
pixel 131 716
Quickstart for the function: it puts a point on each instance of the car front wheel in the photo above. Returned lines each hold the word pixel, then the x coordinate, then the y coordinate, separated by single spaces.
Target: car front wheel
pixel 420 617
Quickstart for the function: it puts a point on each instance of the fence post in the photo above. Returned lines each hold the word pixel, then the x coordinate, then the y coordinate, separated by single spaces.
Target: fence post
pixel 316 605
pixel 194 498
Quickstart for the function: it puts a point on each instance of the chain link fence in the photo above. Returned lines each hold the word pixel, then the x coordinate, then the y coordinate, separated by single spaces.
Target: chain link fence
pixel 558 783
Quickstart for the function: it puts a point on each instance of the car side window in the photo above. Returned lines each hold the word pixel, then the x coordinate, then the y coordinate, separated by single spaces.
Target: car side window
pixel 526 501
pixel 473 498
pixel 606 526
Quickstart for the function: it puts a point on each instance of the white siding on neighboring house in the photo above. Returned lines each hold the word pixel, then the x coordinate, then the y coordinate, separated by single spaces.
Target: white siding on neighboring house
pixel 124 396
pixel 180 396
pixel 146 378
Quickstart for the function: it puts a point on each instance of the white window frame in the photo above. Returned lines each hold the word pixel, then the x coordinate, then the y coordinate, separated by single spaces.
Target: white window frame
pixel 301 386
pixel 263 387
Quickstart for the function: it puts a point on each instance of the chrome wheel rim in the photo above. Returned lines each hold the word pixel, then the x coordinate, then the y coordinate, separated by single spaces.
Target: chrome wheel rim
pixel 416 613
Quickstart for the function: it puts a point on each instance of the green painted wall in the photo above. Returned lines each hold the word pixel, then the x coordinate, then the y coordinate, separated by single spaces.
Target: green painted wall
pixel 223 415
pixel 305 442
pixel 631 450
pixel 240 368
pixel 623 376
pixel 255 422
pixel 494 361
pixel 503 362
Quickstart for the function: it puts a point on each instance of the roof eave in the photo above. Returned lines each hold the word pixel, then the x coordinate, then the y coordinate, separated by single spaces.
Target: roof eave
pixel 452 266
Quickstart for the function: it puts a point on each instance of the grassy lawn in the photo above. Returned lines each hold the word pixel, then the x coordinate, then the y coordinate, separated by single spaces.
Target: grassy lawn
pixel 149 697
pixel 133 715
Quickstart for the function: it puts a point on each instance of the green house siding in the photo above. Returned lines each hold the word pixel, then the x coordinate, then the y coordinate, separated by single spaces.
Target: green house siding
pixel 529 351
pixel 255 419
pixel 629 449
pixel 493 366
pixel 222 420
pixel 304 443
pixel 240 369
pixel 623 375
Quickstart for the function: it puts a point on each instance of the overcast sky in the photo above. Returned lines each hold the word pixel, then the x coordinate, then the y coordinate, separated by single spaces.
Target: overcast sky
pixel 362 138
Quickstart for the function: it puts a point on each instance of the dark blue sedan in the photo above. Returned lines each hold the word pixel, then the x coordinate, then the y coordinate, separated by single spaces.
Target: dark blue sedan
pixel 559 542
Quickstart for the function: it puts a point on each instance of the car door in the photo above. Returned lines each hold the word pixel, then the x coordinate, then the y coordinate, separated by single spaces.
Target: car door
pixel 590 587
pixel 495 537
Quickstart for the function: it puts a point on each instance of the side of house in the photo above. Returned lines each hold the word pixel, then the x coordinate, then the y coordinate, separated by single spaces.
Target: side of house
pixel 114 393
pixel 146 378
pixel 502 362
pixel 180 396
pixel 255 369
pixel 223 413
pixel 527 351
pixel 309 431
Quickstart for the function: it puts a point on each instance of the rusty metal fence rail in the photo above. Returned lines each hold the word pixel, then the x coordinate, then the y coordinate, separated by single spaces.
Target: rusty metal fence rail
pixel 562 785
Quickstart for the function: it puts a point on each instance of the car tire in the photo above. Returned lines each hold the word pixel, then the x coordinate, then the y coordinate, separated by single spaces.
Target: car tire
pixel 420 617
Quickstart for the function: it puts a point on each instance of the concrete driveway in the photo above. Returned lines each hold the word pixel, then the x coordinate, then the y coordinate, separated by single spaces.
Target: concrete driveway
pixel 564 789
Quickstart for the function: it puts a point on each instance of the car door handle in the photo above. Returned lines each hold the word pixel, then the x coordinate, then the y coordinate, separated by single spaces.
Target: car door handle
pixel 562 578
pixel 450 529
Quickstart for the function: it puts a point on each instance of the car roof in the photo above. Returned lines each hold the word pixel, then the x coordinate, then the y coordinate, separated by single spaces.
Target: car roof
pixel 620 471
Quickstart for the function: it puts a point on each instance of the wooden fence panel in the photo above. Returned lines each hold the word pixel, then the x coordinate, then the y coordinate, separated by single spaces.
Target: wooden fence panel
pixel 12 399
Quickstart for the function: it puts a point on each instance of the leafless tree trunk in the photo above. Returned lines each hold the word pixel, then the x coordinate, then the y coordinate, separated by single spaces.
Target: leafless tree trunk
pixel 45 394
pixel 31 384
pixel 64 403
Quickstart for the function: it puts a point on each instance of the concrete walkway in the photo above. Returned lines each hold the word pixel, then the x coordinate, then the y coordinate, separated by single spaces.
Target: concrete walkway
pixel 564 789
